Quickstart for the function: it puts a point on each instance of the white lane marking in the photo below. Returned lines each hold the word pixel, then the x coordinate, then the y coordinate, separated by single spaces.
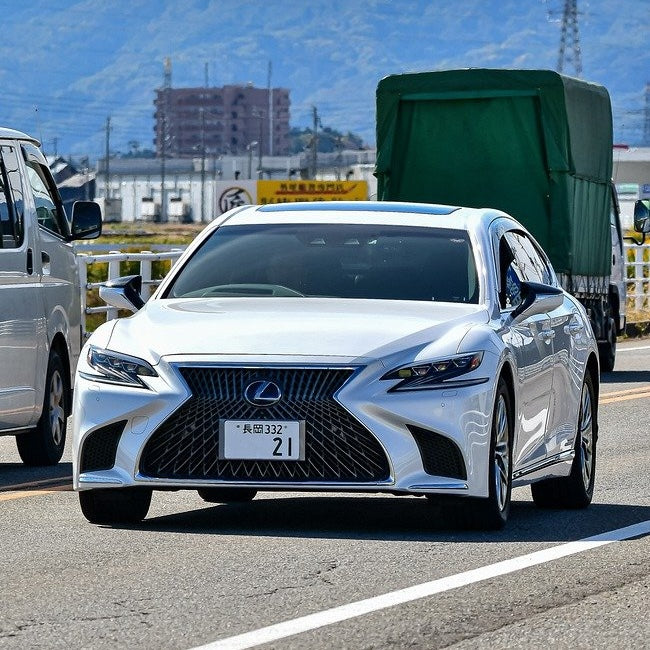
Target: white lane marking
pixel 361 607
pixel 641 347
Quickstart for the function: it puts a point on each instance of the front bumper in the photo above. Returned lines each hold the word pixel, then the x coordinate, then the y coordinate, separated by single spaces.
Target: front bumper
pixel 431 441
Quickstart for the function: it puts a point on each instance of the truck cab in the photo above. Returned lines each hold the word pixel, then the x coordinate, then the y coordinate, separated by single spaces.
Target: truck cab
pixel 40 319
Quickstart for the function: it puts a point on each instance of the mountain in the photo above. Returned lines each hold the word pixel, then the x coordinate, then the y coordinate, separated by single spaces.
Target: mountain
pixel 65 69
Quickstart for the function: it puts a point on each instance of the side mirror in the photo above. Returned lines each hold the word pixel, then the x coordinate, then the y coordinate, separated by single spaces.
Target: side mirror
pixel 642 216
pixel 123 293
pixel 537 299
pixel 86 220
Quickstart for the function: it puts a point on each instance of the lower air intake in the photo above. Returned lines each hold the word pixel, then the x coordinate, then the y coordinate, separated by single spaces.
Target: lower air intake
pixel 440 455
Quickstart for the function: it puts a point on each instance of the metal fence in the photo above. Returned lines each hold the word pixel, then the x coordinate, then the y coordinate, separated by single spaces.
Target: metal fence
pixel 638 273
pixel 638 279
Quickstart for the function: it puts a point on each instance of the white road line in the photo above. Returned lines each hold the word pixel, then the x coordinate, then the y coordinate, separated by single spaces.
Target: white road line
pixel 361 607
pixel 641 347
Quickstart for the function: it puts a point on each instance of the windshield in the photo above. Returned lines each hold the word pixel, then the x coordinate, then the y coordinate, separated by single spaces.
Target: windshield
pixel 332 260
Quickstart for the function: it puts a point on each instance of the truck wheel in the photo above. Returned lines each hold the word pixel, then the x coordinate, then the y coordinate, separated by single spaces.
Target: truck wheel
pixel 115 505
pixel 607 350
pixel 577 489
pixel 44 444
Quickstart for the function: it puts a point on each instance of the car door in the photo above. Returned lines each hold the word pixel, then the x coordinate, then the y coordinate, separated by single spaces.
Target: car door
pixel 531 343
pixel 22 323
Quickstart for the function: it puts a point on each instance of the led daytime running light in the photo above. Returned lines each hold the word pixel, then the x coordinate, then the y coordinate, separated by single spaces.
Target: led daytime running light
pixel 118 368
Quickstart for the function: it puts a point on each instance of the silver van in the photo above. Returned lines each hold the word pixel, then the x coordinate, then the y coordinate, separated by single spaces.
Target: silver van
pixel 40 316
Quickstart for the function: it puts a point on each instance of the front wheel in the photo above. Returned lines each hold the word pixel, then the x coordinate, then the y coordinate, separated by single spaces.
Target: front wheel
pixel 490 513
pixel 44 444
pixel 115 505
pixel 577 489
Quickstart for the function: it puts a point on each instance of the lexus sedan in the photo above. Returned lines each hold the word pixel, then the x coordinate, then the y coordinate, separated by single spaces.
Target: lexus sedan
pixel 409 349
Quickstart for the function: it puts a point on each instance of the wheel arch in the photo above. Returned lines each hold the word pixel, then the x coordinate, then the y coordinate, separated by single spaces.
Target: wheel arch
pixel 593 372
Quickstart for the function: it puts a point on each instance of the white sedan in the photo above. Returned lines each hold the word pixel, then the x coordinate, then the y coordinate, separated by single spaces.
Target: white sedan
pixel 402 348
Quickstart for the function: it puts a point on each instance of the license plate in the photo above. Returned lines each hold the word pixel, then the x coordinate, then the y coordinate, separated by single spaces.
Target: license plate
pixel 261 440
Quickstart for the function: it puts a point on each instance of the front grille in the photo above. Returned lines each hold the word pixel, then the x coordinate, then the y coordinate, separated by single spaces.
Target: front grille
pixel 440 455
pixel 100 446
pixel 338 448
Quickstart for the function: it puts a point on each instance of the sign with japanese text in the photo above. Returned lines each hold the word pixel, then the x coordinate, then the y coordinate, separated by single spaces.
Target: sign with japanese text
pixel 311 190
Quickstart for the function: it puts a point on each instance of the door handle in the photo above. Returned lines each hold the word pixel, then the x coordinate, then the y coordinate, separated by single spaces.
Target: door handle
pixel 573 328
pixel 547 335
pixel 30 261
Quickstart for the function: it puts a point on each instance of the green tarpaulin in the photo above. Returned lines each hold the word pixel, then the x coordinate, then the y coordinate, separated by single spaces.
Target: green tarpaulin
pixel 533 143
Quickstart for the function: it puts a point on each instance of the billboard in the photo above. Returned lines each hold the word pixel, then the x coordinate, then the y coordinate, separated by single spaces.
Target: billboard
pixel 311 190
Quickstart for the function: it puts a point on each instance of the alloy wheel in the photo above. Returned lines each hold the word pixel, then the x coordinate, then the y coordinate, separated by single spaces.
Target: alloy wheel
pixel 57 408
pixel 586 432
pixel 501 454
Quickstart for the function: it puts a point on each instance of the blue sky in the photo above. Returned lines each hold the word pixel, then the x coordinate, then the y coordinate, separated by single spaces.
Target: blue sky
pixel 66 66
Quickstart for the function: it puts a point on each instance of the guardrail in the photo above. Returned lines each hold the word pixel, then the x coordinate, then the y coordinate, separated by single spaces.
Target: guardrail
pixel 114 261
pixel 638 277
pixel 638 273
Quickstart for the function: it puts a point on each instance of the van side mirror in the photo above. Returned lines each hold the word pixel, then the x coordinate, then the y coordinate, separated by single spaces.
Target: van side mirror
pixel 86 220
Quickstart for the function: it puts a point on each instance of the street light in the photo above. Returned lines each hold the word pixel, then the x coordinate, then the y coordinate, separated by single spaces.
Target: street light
pixel 249 147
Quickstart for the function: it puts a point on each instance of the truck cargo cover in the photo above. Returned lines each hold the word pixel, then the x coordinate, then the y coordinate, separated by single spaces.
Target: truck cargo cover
pixel 533 143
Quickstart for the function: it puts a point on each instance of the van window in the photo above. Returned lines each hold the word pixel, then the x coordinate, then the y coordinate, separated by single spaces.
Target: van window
pixel 11 204
pixel 48 212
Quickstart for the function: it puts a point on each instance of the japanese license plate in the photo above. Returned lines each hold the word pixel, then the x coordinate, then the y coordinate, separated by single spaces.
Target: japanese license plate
pixel 261 440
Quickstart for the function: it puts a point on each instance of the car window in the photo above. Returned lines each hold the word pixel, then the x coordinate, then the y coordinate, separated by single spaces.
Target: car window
pixel 519 262
pixel 48 212
pixel 11 199
pixel 332 260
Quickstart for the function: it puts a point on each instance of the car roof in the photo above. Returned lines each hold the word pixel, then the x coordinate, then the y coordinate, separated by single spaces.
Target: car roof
pixel 362 212
pixel 12 134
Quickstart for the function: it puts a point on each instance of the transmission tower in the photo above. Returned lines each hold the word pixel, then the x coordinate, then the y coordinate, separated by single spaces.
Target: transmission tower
pixel 570 39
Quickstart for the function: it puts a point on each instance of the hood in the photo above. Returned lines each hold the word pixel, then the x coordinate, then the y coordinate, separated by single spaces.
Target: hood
pixel 313 327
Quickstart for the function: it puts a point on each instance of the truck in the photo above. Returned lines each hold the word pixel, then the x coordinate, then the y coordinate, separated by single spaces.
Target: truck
pixel 533 143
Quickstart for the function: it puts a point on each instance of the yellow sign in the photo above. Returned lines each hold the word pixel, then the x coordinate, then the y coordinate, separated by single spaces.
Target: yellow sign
pixel 289 191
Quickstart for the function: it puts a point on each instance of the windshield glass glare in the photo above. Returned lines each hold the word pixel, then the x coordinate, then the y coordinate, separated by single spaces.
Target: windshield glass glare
pixel 332 260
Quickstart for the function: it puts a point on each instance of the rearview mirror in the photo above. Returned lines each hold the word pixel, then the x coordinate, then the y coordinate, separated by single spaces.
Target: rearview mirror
pixel 86 220
pixel 642 216
pixel 537 299
pixel 123 293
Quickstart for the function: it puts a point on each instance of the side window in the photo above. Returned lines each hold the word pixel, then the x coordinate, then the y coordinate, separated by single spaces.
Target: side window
pixel 48 212
pixel 519 262
pixel 11 199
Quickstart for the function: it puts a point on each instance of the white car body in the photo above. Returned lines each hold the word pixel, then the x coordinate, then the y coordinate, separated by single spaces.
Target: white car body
pixel 544 358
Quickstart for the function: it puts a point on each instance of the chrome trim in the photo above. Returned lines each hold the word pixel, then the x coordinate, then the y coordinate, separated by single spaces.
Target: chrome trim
pixel 452 485
pixel 197 483
pixel 93 478
pixel 547 462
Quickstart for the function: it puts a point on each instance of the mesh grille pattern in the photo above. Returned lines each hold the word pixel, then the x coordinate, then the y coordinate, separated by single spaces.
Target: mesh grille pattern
pixel 440 455
pixel 337 446
pixel 99 448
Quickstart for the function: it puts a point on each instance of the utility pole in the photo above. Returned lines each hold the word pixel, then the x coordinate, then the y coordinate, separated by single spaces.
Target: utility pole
pixel 646 117
pixel 206 74
pixel 108 164
pixel 202 165
pixel 314 145
pixel 570 38
pixel 270 112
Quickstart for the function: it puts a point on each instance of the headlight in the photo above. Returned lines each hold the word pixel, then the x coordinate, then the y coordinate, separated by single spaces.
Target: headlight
pixel 115 368
pixel 438 374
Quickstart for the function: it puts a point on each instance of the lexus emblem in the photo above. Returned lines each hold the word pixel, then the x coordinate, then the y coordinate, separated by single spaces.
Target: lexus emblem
pixel 262 393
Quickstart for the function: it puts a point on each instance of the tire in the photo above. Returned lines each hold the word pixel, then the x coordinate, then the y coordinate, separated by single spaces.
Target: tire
pixel 576 490
pixel 116 505
pixel 607 350
pixel 44 445
pixel 227 495
pixel 490 513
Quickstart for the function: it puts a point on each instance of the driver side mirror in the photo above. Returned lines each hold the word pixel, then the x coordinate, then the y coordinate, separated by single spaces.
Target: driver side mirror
pixel 642 216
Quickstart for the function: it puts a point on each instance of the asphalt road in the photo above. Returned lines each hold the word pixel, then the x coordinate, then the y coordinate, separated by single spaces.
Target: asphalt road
pixel 193 574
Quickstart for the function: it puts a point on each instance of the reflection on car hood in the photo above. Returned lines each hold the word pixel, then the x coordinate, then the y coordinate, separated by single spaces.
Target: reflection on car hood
pixel 287 326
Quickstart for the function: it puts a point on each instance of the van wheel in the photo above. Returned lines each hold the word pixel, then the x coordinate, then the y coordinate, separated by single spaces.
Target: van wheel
pixel 115 505
pixel 44 444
